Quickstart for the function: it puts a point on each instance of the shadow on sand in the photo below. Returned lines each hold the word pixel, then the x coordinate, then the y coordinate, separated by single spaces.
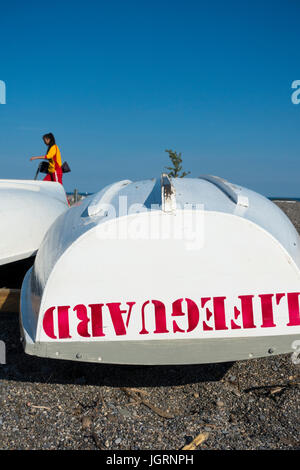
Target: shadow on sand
pixel 12 274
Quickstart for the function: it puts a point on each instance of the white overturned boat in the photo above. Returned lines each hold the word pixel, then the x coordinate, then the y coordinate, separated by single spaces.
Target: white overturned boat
pixel 165 271
pixel 27 210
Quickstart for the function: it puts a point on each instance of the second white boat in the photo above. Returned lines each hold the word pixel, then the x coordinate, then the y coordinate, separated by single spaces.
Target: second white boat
pixel 27 210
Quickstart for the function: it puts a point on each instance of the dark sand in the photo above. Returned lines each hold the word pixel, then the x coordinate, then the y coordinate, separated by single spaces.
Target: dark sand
pixel 48 404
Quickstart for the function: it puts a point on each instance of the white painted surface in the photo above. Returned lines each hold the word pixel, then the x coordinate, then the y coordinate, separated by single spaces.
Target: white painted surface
pixel 27 209
pixel 92 255
pixel 245 260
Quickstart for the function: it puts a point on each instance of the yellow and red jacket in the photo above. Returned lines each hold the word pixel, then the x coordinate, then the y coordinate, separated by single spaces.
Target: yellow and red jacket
pixel 54 158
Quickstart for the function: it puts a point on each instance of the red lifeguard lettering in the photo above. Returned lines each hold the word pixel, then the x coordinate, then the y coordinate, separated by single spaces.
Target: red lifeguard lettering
pixel 247 313
pixel 192 312
pixel 293 305
pixel 56 320
pixel 160 318
pixel 208 312
pixel 218 313
pixel 63 321
pixel 97 321
pixel 267 310
pixel 279 297
pixel 116 316
pixel 82 327
pixel 143 330
pixel 48 323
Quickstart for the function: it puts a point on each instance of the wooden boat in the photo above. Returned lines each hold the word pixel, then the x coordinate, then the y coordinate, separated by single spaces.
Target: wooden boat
pixel 165 271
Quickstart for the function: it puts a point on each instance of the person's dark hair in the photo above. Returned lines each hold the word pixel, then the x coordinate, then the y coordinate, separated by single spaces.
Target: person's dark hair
pixel 52 139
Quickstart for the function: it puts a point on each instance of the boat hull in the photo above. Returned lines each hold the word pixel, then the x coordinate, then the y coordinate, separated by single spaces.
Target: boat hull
pixel 134 302
pixel 27 209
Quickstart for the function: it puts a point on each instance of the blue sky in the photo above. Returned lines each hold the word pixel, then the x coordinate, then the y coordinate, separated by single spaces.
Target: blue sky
pixel 118 82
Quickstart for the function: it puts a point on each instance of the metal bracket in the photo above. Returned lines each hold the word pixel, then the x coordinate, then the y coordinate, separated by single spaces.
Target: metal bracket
pixel 168 194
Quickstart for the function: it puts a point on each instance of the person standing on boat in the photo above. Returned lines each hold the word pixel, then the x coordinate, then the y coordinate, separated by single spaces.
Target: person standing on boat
pixel 54 158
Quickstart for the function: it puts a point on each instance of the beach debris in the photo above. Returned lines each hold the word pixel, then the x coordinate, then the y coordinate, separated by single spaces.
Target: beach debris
pixel 41 407
pixel 86 422
pixel 97 441
pixel 139 400
pixel 272 391
pixel 197 441
pixel 220 404
pixel 293 377
pixel 139 390
pixel 232 379
pixel 125 412
pixel 275 390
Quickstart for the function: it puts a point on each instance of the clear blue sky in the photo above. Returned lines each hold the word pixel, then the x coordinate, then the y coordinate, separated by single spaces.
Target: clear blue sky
pixel 118 82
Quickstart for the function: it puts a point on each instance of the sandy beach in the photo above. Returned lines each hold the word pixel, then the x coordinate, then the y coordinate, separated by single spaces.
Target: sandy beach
pixel 48 404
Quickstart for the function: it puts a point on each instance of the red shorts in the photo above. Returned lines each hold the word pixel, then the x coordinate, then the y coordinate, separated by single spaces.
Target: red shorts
pixel 56 176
